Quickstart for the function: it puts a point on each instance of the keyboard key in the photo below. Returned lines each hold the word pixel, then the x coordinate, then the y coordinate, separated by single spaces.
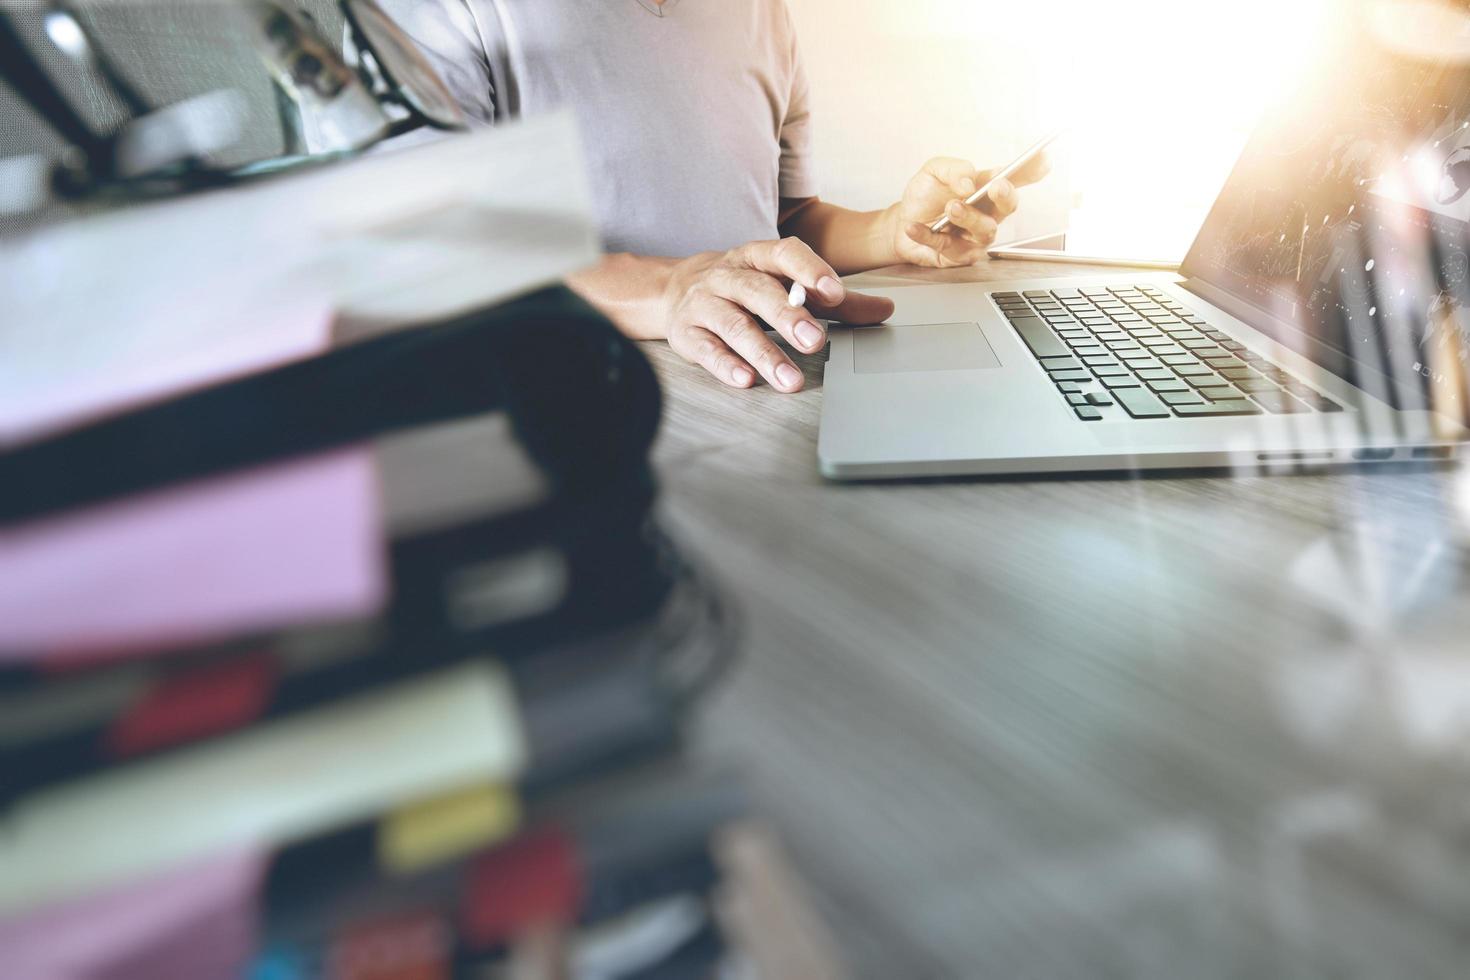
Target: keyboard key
pixel 1178 358
pixel 1241 373
pixel 1110 370
pixel 1140 358
pixel 1078 374
pixel 1220 393
pixel 1140 404
pixel 1060 363
pixel 1096 359
pixel 1100 398
pixel 1224 362
pixel 1172 384
pixel 1121 381
pixel 1088 350
pixel 1076 398
pixel 1039 338
pixel 1179 398
pixel 1193 370
pixel 1280 403
pixel 1156 374
pixel 1255 385
pixel 1324 404
pixel 1088 414
pixel 1217 409
pixel 1070 387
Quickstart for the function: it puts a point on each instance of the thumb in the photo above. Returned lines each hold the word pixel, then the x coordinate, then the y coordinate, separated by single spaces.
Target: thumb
pixel 859 308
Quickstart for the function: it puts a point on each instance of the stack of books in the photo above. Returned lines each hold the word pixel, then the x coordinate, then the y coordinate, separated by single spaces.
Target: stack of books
pixel 338 637
pixel 289 720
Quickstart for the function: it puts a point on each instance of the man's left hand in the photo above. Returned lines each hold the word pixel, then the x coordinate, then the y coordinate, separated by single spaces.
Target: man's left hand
pixel 941 188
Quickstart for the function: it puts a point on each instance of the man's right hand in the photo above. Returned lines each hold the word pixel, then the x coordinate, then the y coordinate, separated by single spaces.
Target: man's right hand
pixel 714 302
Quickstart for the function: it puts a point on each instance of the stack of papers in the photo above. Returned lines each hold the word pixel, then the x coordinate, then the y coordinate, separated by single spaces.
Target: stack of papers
pixel 233 739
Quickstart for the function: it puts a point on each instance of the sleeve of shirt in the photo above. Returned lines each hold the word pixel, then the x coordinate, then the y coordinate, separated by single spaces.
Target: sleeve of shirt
pixel 798 168
pixel 447 33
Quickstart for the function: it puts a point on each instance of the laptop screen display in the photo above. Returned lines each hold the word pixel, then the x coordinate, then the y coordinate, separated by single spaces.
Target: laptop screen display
pixel 1347 215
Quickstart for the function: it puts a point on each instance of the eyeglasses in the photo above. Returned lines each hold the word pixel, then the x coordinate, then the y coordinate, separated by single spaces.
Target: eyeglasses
pixel 393 66
pixel 390 90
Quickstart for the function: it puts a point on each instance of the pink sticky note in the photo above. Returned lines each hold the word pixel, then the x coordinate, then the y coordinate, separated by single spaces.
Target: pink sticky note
pixel 197 921
pixel 274 546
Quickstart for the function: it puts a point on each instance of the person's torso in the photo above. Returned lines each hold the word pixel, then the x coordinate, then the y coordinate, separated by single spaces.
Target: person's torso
pixel 680 113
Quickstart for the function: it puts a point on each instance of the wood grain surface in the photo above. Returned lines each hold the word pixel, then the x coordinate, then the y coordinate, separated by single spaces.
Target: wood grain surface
pixel 1199 725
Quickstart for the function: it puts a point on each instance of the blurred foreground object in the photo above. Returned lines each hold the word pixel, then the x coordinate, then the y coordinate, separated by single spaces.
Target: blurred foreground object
pixel 360 642
pixel 323 106
pixel 149 151
pixel 331 99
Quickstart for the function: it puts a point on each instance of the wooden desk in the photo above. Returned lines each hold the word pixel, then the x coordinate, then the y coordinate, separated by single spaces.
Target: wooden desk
pixel 1179 727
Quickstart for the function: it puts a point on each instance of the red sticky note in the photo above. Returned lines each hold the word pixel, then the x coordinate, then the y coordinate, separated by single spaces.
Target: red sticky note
pixel 415 947
pixel 535 880
pixel 194 705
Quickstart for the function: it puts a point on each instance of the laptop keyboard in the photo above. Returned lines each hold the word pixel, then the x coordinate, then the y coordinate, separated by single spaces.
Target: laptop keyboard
pixel 1136 348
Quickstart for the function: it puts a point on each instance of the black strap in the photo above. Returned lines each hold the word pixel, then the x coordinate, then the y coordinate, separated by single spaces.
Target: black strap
pixel 582 399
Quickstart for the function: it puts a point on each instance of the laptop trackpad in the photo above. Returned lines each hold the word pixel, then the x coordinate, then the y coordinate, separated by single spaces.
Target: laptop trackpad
pixel 921 347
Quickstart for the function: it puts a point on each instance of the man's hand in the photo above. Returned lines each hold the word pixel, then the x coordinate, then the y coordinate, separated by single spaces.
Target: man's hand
pixel 941 188
pixel 714 303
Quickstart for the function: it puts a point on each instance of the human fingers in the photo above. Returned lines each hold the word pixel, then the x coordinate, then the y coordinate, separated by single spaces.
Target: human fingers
pixel 1000 200
pixel 794 260
pixel 977 227
pixel 738 329
pixel 766 297
pixel 859 308
pixel 947 249
pixel 1035 169
pixel 698 346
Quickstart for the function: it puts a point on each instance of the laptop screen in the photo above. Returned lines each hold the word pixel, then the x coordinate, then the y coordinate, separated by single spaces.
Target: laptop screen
pixel 1346 217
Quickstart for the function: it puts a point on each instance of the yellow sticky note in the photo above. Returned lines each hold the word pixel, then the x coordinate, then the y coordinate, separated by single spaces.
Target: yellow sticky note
pixel 446 827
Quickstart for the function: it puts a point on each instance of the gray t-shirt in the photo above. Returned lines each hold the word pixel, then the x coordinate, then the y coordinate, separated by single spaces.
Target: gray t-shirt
pixel 695 122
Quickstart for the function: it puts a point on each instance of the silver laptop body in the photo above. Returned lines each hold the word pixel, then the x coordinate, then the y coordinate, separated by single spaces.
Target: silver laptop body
pixel 947 387
pixel 1366 350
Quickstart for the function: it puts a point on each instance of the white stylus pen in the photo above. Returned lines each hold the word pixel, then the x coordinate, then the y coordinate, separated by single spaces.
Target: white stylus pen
pixel 943 222
pixel 798 295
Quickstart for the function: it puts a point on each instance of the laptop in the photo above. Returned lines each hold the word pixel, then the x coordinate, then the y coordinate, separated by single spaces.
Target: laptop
pixel 1321 317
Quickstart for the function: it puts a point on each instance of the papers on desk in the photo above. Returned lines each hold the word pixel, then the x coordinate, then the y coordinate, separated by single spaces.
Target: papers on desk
pixel 110 311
